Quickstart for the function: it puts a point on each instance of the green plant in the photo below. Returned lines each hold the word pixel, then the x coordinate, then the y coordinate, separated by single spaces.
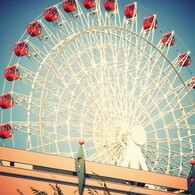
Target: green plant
pixel 38 192
pixel 57 191
pixel 102 184
pixel 55 188
pixel 19 192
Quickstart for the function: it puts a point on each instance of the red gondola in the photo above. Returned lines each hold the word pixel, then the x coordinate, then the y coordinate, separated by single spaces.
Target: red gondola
pixel 192 83
pixel 21 49
pixel 5 131
pixel 168 39
pixel 184 59
pixel 34 29
pixel 150 22
pixel 6 101
pixel 130 11
pixel 109 5
pixel 50 14
pixel 11 73
pixel 88 4
pixel 69 5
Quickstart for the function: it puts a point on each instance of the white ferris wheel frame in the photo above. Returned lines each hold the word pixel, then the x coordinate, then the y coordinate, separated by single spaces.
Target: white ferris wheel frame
pixel 82 33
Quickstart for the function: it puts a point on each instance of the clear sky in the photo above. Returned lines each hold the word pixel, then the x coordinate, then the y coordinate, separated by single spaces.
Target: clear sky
pixel 15 15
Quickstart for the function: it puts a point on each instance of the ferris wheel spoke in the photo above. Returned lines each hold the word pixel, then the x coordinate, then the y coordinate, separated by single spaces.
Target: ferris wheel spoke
pixel 173 105
pixel 181 126
pixel 107 158
pixel 95 18
pixel 48 39
pixel 94 157
pixel 64 27
pixel 160 101
pixel 182 119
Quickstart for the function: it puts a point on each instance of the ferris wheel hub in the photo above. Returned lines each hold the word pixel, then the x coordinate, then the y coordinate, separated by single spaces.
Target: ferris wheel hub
pixel 124 137
pixel 138 134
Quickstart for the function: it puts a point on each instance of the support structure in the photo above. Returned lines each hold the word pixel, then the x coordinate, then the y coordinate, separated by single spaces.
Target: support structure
pixel 191 178
pixel 39 170
pixel 80 168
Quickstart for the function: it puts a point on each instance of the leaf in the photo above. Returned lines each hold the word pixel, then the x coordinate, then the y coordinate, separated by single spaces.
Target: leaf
pixel 19 192
pixel 57 190
pixel 103 184
pixel 38 192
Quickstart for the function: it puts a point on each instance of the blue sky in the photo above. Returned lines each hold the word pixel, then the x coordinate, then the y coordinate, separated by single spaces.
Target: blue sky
pixel 15 15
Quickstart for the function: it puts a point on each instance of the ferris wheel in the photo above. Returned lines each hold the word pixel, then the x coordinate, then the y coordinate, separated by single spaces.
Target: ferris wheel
pixel 95 71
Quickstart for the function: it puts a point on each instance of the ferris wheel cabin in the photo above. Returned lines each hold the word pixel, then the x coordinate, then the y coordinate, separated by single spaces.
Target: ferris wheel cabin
pixel 6 101
pixel 5 131
pixel 168 39
pixel 21 49
pixel 184 59
pixel 109 5
pixel 11 73
pixel 69 5
pixel 89 4
pixel 34 29
pixel 150 22
pixel 50 14
pixel 192 82
pixel 130 11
